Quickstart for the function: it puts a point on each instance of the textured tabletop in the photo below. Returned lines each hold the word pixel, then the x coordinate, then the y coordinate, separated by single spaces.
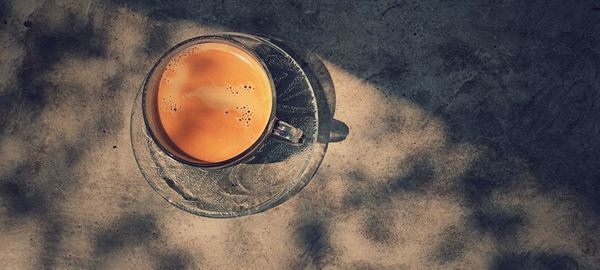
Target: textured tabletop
pixel 474 137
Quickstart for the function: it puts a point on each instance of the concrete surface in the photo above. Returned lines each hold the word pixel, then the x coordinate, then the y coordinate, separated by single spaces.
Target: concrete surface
pixel 473 144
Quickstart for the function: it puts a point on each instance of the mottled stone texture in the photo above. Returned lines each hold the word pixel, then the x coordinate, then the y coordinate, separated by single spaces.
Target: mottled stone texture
pixel 474 137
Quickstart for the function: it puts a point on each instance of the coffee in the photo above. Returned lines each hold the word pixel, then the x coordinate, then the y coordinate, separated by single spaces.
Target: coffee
pixel 214 101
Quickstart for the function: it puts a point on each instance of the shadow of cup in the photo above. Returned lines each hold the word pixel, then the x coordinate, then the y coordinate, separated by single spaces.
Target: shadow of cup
pixel 339 131
pixel 314 68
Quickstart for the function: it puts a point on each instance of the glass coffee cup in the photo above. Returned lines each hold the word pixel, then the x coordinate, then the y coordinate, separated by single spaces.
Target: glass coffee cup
pixel 209 122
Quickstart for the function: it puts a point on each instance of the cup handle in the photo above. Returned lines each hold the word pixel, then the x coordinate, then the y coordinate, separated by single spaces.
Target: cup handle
pixel 287 133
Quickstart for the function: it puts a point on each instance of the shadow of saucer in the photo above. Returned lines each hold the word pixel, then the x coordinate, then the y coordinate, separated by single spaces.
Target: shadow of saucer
pixel 321 81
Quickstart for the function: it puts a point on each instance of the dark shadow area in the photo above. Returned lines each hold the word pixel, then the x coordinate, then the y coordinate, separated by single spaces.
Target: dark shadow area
pixel 173 261
pixel 137 230
pixel 339 131
pixel 273 151
pixel 535 261
pixel 43 49
pixel 126 232
pixel 502 224
pixel 321 82
pixel 414 182
pixel 315 70
pixel 379 228
pixel 313 239
pixel 20 201
pixel 452 247
pixel 27 200
pixel 366 266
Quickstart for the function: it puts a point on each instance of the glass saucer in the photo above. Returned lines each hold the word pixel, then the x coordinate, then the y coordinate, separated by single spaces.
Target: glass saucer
pixel 278 171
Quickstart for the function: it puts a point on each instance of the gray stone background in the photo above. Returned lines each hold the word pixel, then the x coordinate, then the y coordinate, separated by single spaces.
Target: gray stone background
pixel 473 144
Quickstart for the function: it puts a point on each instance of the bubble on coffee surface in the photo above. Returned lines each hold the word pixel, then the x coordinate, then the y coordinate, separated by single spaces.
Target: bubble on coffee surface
pixel 169 103
pixel 248 87
pixel 233 90
pixel 178 60
pixel 245 115
pixel 244 88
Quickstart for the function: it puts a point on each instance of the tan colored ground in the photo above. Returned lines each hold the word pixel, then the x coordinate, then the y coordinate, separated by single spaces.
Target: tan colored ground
pixel 473 138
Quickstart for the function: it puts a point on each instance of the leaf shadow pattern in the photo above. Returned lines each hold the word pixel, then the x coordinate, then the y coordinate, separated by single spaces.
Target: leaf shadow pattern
pixel 313 239
pixel 533 260
pixel 415 181
pixel 135 231
pixel 520 79
pixel 48 170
